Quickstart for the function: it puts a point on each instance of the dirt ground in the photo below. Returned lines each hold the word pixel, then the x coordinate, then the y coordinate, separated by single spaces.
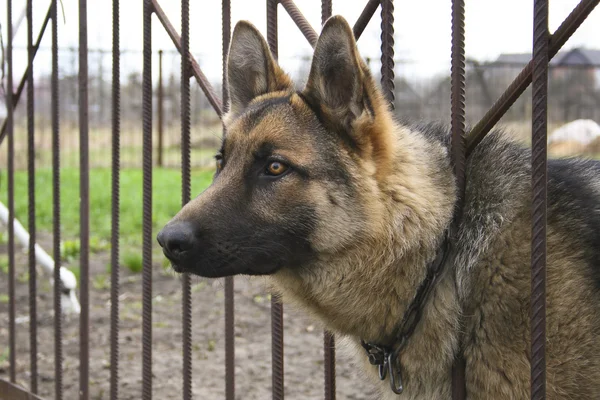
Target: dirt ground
pixel 303 340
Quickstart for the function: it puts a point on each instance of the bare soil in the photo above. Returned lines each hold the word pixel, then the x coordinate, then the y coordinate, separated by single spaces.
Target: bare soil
pixel 303 340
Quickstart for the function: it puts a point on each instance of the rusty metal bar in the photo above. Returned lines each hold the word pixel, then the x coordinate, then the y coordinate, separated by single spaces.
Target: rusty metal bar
pixel 84 206
pixel 387 50
pixel 229 281
pixel 365 17
pixel 539 183
pixel 24 78
pixel 31 204
pixel 186 296
pixel 457 111
pixel 518 86
pixel 276 305
pixel 229 339
pixel 328 337
pixel 9 391
pixel 11 198
pixel 457 96
pixel 307 30
pixel 58 386
pixel 326 10
pixel 147 205
pixel 205 85
pixel 329 361
pixel 115 202
pixel 160 111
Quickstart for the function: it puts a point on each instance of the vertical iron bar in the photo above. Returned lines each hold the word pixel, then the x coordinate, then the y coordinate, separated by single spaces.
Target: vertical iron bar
pixel 457 101
pixel 229 281
pixel 328 337
pixel 115 202
pixel 387 50
pixel 539 181
pixel 11 197
pixel 147 206
pixel 325 10
pixel 84 204
pixel 31 203
pixel 329 361
pixel 457 106
pixel 186 297
pixel 276 305
pixel 160 109
pixel 58 387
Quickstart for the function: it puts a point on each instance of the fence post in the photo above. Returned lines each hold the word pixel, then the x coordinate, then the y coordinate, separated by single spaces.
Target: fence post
pixel 276 305
pixel 160 109
pixel 147 240
pixel 11 198
pixel 539 182
pixel 84 204
pixel 457 124
pixel 115 203
pixel 328 337
pixel 186 291
pixel 387 51
pixel 58 353
pixel 31 203
pixel 229 281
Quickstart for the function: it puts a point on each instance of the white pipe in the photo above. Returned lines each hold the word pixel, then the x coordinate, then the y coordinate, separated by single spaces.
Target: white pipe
pixel 69 303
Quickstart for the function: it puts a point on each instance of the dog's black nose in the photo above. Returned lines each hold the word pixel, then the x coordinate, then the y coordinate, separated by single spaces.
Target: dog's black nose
pixel 176 240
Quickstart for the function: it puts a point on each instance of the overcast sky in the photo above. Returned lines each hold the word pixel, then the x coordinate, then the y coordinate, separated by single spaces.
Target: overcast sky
pixel 422 29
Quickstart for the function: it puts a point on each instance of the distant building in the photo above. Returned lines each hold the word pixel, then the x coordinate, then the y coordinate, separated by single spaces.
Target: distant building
pixel 573 84
pixel 586 61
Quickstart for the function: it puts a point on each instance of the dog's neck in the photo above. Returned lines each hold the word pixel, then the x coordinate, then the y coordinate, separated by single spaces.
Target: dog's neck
pixel 370 298
pixel 364 290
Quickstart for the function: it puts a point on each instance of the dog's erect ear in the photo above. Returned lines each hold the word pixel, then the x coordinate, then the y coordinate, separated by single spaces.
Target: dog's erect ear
pixel 341 89
pixel 339 81
pixel 251 69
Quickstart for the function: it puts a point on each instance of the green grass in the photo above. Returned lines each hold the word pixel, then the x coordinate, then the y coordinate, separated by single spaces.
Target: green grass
pixel 4 355
pixel 4 263
pixel 166 201
pixel 133 261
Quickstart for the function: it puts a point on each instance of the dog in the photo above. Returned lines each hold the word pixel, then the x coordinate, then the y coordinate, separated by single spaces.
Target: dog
pixel 347 210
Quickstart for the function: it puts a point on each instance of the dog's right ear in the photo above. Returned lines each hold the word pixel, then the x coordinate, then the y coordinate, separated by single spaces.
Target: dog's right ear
pixel 251 69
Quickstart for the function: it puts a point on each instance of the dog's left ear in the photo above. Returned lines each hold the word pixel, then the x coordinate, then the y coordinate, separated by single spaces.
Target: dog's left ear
pixel 251 69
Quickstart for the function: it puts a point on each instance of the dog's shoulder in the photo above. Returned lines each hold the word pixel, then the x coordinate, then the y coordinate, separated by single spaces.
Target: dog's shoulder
pixel 499 191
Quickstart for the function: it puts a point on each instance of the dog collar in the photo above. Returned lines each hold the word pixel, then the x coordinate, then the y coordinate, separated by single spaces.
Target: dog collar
pixel 387 358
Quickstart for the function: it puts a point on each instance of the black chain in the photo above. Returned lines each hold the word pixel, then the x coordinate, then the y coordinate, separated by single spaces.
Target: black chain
pixel 387 358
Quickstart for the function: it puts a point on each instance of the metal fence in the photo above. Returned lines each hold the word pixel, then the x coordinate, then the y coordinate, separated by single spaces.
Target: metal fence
pixel 545 46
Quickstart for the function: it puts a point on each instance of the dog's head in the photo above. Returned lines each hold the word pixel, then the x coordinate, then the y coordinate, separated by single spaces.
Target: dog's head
pixel 298 172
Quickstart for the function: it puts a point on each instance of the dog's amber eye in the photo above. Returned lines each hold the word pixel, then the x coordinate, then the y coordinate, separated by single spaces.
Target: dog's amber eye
pixel 276 168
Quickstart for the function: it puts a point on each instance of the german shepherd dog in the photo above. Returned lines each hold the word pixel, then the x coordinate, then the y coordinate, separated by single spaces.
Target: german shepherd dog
pixel 345 209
